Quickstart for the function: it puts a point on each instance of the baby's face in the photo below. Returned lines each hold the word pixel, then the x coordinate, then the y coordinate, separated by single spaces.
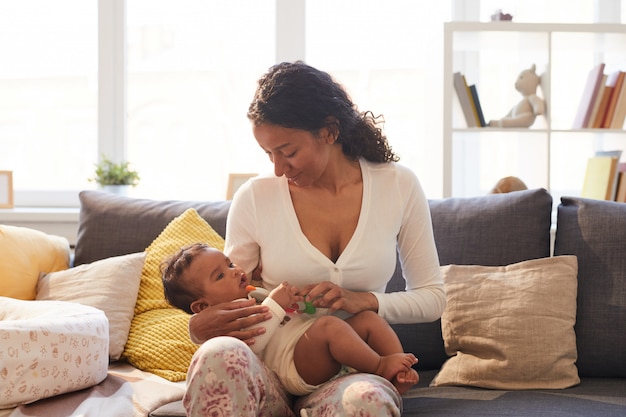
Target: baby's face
pixel 218 278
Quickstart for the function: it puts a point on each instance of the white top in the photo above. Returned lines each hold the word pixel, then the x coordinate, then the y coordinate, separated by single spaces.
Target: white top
pixel 394 216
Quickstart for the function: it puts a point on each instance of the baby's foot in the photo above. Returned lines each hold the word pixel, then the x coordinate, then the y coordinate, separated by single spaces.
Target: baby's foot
pixel 396 368
pixel 403 381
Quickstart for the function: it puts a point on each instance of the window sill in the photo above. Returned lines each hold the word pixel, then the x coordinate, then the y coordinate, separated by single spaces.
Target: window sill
pixel 51 220
pixel 45 214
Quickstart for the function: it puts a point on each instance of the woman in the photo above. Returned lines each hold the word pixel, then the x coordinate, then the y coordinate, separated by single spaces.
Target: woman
pixel 330 220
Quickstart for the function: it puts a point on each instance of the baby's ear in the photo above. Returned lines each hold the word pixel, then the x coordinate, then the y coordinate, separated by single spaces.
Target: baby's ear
pixel 198 305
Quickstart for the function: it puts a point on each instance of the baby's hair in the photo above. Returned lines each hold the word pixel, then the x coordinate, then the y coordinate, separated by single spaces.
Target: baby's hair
pixel 178 292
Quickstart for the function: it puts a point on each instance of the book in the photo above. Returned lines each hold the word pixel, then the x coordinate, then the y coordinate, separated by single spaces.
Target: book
pixel 620 197
pixel 617 87
pixel 588 98
pixel 479 109
pixel 617 154
pixel 607 93
pixel 461 88
pixel 474 111
pixel 620 194
pixel 619 116
pixel 596 102
pixel 599 178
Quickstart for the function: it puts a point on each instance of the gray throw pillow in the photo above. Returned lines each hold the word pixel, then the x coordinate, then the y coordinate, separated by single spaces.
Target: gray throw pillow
pixel 493 230
pixel 114 225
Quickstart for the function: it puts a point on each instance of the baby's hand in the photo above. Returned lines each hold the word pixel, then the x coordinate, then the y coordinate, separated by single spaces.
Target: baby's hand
pixel 285 295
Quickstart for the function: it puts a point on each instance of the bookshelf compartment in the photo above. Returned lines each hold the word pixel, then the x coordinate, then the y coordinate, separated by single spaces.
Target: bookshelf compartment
pixel 481 158
pixel 549 154
pixel 492 61
pixel 573 56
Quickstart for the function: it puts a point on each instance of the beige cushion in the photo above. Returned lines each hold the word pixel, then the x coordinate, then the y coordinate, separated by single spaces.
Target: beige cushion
pixel 24 254
pixel 158 341
pixel 511 327
pixel 110 285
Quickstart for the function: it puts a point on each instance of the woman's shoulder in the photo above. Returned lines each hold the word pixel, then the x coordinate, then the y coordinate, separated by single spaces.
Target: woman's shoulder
pixel 263 191
pixel 262 182
pixel 385 169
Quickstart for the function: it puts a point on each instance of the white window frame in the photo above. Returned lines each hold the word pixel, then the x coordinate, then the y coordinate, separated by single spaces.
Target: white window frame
pixel 112 105
pixel 112 82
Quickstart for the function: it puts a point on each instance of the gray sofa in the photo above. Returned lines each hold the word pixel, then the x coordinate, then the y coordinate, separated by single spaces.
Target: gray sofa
pixel 487 230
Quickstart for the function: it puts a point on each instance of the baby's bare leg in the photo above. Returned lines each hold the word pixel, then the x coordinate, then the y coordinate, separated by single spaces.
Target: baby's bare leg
pixel 326 345
pixel 364 342
pixel 383 339
pixel 376 332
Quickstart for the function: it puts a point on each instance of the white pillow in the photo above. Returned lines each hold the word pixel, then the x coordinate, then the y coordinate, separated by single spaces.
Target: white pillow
pixel 511 327
pixel 110 285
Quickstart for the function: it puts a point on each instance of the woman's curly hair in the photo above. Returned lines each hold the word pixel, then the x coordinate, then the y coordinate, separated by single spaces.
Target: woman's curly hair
pixel 298 96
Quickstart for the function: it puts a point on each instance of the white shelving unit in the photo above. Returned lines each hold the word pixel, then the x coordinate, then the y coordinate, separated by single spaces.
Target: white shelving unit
pixel 549 154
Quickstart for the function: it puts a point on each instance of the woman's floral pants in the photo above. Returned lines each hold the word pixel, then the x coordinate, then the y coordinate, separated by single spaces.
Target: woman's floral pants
pixel 226 378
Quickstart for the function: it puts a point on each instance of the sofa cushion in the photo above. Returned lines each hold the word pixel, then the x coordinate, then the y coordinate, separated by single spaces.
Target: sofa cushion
pixel 24 254
pixel 510 327
pixel 593 397
pixel 113 225
pixel 595 231
pixel 498 229
pixel 159 341
pixel 110 285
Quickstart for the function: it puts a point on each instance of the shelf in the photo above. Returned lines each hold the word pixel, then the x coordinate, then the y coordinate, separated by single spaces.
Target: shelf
pixel 489 130
pixel 534 27
pixel 491 55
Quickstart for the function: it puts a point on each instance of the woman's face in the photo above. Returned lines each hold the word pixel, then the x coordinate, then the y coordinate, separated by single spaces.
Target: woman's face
pixel 297 154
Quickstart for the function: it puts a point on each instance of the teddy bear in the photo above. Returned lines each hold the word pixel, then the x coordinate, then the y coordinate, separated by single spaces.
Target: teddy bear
pixel 507 185
pixel 524 113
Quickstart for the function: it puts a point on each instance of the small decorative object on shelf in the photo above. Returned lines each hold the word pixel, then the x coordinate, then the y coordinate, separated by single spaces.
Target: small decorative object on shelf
pixel 236 180
pixel 115 177
pixel 507 185
pixel 524 113
pixel 6 189
pixel 498 16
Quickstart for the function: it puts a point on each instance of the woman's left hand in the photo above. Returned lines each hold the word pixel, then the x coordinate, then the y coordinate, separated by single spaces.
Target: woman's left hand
pixel 329 295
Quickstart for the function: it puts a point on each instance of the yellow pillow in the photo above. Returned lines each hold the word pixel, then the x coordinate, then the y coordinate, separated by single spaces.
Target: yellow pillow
pixel 158 341
pixel 24 254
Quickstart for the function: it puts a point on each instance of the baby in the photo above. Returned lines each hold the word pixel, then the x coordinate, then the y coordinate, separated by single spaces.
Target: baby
pixel 304 351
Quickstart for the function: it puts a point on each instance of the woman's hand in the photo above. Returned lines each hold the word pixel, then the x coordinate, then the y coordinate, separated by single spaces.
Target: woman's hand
pixel 229 319
pixel 331 296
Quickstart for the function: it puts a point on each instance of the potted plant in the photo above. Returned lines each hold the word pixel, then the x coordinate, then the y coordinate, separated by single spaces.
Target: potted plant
pixel 115 177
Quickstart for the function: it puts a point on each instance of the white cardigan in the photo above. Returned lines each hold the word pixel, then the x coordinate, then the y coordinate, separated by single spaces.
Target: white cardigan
pixel 262 226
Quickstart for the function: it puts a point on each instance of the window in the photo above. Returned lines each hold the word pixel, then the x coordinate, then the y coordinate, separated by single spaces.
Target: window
pixel 390 57
pixel 48 96
pixel 192 71
pixel 192 66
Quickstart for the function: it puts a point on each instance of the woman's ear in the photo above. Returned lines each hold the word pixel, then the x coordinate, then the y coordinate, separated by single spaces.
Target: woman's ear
pixel 330 132
pixel 198 305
